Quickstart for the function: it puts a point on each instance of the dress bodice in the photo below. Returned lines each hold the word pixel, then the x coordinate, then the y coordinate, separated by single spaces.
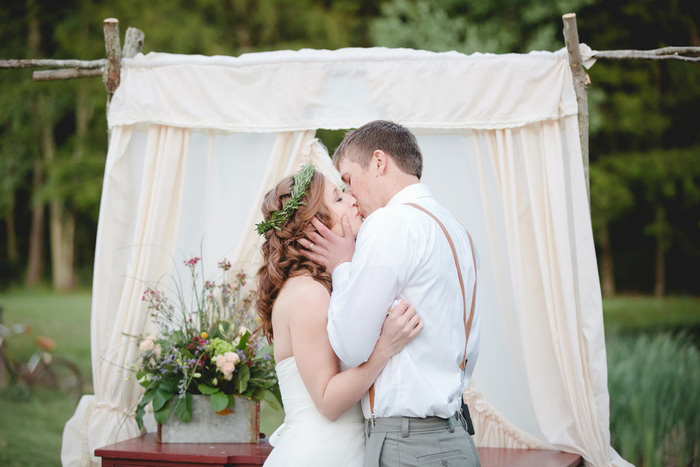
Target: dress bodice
pixel 308 438
pixel 298 405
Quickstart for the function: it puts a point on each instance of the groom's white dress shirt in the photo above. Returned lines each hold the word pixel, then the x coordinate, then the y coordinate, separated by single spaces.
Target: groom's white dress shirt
pixel 402 253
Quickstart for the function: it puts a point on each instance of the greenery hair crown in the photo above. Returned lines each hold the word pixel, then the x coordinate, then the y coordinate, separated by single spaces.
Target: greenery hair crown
pixel 301 182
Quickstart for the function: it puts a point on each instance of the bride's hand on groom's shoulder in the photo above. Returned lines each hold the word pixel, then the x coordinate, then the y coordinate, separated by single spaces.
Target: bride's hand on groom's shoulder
pixel 400 327
pixel 327 248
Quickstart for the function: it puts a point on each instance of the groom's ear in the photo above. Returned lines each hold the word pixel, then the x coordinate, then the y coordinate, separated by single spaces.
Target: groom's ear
pixel 379 162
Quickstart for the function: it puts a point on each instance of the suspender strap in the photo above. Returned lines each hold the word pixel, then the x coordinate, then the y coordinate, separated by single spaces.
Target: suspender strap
pixel 467 323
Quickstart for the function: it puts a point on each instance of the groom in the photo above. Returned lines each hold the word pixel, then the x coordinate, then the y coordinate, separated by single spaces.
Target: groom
pixel 411 248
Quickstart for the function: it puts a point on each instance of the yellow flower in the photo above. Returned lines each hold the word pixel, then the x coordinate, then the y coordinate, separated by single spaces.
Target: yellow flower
pixel 204 335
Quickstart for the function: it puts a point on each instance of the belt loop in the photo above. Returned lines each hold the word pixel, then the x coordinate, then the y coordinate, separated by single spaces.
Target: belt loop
pixel 462 421
pixel 451 423
pixel 368 429
pixel 404 427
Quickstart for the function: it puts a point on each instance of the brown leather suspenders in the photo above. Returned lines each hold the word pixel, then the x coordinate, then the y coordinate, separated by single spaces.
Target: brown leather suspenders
pixel 467 323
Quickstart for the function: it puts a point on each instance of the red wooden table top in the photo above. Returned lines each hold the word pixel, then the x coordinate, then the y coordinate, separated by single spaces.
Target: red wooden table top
pixel 148 449
pixel 492 457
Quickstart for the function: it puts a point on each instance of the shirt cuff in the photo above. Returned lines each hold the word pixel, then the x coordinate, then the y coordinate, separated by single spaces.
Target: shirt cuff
pixel 341 274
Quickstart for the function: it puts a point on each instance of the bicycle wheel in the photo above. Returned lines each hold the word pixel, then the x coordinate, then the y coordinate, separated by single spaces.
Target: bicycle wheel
pixel 60 375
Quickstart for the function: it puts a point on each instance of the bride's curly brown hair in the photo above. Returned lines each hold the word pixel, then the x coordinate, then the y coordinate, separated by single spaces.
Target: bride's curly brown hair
pixel 281 253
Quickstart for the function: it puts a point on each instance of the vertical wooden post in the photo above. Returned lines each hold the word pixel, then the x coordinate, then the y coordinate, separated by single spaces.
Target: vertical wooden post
pixel 133 42
pixel 579 76
pixel 110 77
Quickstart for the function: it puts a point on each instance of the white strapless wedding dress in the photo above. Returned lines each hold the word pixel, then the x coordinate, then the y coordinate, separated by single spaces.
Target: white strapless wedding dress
pixel 307 438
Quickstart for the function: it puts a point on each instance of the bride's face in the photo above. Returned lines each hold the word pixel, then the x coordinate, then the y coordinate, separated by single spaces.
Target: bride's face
pixel 342 204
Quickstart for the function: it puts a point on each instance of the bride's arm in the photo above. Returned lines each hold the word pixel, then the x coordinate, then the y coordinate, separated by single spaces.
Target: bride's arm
pixel 334 392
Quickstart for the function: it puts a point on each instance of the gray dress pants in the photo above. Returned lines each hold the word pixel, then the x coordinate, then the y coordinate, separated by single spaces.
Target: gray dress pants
pixel 407 441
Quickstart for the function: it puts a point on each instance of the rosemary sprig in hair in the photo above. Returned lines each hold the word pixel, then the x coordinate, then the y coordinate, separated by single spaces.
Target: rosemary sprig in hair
pixel 301 182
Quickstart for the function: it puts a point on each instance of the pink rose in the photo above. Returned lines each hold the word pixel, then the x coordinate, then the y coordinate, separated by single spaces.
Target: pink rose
pixel 227 370
pixel 232 357
pixel 220 361
pixel 146 344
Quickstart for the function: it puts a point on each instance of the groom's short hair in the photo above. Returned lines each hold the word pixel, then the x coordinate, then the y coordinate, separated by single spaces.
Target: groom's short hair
pixel 392 138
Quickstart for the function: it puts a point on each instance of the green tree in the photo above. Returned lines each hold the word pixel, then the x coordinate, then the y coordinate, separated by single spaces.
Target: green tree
pixel 661 179
pixel 469 26
pixel 645 107
pixel 53 137
pixel 610 198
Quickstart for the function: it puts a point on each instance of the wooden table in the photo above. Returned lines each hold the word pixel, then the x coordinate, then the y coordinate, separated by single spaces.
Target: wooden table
pixel 145 451
pixel 498 457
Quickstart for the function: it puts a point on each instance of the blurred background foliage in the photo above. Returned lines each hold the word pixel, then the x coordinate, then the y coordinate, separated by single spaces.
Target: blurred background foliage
pixel 645 134
pixel 644 150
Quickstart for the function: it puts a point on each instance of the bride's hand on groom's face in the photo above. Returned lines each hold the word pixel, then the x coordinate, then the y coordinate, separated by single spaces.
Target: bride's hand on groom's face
pixel 400 327
pixel 327 248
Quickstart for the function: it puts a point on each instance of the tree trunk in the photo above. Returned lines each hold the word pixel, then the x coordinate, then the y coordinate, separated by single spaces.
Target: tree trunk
pixel 61 224
pixel 11 232
pixel 35 262
pixel 607 271
pixel 35 259
pixel 62 227
pixel 661 246
pixel 660 287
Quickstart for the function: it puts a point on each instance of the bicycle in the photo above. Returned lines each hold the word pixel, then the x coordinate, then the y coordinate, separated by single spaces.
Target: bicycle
pixel 43 369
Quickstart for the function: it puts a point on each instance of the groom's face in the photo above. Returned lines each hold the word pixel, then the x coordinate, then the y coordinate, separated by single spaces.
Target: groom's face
pixel 358 182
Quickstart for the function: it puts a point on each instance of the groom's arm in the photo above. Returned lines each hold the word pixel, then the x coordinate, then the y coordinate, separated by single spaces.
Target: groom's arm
pixel 364 288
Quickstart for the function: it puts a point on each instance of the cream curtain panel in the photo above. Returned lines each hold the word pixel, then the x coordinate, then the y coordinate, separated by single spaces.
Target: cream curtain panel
pixel 197 141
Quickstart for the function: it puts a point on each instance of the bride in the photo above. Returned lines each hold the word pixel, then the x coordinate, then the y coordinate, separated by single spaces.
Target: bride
pixel 323 421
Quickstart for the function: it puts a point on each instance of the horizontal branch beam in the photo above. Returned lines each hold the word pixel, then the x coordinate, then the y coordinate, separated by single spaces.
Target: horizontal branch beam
pixel 642 55
pixel 44 62
pixel 664 53
pixel 70 73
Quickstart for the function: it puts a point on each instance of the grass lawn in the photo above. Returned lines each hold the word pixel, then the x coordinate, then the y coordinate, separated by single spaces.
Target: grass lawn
pixel 66 318
pixel 639 313
pixel 34 416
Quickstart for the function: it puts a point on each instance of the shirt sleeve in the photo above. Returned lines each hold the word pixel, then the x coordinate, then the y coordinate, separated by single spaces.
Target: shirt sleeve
pixel 364 289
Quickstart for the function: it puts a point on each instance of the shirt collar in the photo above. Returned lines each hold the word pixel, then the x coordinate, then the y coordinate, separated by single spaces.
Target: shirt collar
pixel 410 193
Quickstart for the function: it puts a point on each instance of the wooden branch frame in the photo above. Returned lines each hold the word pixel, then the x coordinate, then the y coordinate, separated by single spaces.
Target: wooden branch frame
pixel 580 87
pixel 110 76
pixel 42 62
pixel 665 53
pixel 133 42
pixel 68 73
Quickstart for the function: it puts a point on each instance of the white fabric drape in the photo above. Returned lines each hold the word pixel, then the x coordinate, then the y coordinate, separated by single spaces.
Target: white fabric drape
pixel 309 89
pixel 542 362
pixel 197 141
pixel 169 194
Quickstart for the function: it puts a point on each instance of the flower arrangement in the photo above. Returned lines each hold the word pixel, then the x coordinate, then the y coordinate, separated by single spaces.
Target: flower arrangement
pixel 204 347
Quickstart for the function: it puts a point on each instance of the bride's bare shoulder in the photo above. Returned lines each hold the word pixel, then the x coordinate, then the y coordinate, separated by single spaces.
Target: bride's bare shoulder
pixel 303 291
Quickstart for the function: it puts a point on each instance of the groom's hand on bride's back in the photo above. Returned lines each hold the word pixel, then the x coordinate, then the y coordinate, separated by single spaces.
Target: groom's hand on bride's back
pixel 400 327
pixel 327 248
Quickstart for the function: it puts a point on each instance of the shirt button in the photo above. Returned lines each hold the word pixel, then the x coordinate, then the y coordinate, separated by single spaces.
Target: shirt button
pixel 444 462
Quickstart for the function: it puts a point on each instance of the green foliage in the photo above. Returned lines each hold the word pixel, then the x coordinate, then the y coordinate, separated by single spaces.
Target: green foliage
pixel 654 384
pixel 658 177
pixel 204 348
pixel 65 317
pixel 645 110
pixel 277 218
pixel 610 195
pixel 636 314
pixel 470 26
